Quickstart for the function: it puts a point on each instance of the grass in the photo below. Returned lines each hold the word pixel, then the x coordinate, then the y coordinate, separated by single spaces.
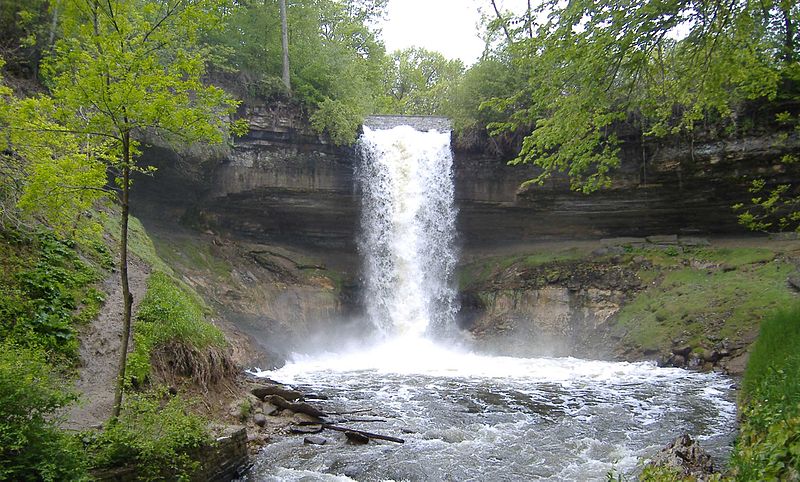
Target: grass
pixel 139 243
pixel 686 301
pixel 689 293
pixel 169 312
pixel 193 254
pixel 768 447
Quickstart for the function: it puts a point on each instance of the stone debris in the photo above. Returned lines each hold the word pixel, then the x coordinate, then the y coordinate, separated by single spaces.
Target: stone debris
pixel 687 457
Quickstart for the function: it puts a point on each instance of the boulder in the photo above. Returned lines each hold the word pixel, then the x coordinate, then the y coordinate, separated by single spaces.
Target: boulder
pixel 268 409
pixel 682 350
pixel 315 440
pixel 686 456
pixel 259 419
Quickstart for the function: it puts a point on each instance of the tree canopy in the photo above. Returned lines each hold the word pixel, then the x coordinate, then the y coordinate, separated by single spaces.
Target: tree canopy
pixel 661 67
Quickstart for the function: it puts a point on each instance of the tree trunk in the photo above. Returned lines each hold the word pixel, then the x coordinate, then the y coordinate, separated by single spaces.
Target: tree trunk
pixel 502 23
pixel 788 40
pixel 285 46
pixel 127 298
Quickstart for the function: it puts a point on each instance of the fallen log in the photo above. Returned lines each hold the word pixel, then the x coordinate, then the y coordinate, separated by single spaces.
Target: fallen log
pixel 263 392
pixel 302 407
pixel 365 434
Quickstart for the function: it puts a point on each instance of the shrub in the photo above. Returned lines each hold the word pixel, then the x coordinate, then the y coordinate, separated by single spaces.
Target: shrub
pixel 168 313
pixel 156 433
pixel 31 446
pixel 44 285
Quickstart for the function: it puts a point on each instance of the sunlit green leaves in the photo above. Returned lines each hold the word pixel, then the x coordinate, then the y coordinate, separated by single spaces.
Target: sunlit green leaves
pixel 658 67
pixel 418 82
pixel 135 67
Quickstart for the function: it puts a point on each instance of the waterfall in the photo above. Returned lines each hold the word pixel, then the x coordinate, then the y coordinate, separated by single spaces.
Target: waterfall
pixel 408 229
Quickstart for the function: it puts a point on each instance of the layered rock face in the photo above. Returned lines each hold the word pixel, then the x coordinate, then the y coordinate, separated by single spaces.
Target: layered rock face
pixel 667 188
pixel 553 309
pixel 282 183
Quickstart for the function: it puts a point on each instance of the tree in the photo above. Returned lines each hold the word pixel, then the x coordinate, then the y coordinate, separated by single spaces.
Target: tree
pixel 47 175
pixel 285 46
pixel 336 57
pixel 127 69
pixel 419 82
pixel 661 67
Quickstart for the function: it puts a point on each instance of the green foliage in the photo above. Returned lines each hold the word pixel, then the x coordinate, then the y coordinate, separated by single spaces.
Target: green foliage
pixel 156 433
pixel 338 119
pixel 45 288
pixel 768 447
pixel 45 176
pixel 480 97
pixel 31 446
pixel 168 312
pixel 773 207
pixel 24 33
pixel 740 288
pixel 139 242
pixel 656 68
pixel 133 66
pixel 335 57
pixel 418 82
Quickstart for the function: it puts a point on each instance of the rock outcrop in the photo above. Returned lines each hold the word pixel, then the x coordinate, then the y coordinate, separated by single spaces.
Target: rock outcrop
pixel 685 458
pixel 283 183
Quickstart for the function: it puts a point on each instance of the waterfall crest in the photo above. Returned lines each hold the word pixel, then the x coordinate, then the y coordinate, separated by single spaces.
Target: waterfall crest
pixel 408 229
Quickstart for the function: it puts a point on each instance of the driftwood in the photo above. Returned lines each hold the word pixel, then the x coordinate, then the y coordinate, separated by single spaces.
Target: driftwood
pixel 364 434
pixel 366 410
pixel 352 420
pixel 301 407
pixel 263 392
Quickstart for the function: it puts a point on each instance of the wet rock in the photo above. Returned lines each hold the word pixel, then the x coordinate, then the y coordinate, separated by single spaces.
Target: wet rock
pixel 794 281
pixel 315 440
pixel 286 393
pixel 682 350
pixel 710 356
pixel 356 438
pixel 305 419
pixel 686 456
pixel 678 361
pixel 306 429
pixel 352 471
pixel 259 419
pixel 269 409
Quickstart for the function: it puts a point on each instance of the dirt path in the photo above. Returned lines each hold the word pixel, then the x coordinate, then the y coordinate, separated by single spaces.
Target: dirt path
pixel 99 351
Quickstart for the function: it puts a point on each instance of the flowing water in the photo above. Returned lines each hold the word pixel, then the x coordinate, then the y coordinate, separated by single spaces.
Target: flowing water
pixel 463 415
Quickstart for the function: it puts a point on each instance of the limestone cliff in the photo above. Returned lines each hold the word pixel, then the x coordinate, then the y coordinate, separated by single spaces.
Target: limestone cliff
pixel 283 183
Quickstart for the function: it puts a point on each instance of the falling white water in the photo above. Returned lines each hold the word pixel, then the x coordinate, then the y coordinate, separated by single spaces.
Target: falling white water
pixel 408 228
